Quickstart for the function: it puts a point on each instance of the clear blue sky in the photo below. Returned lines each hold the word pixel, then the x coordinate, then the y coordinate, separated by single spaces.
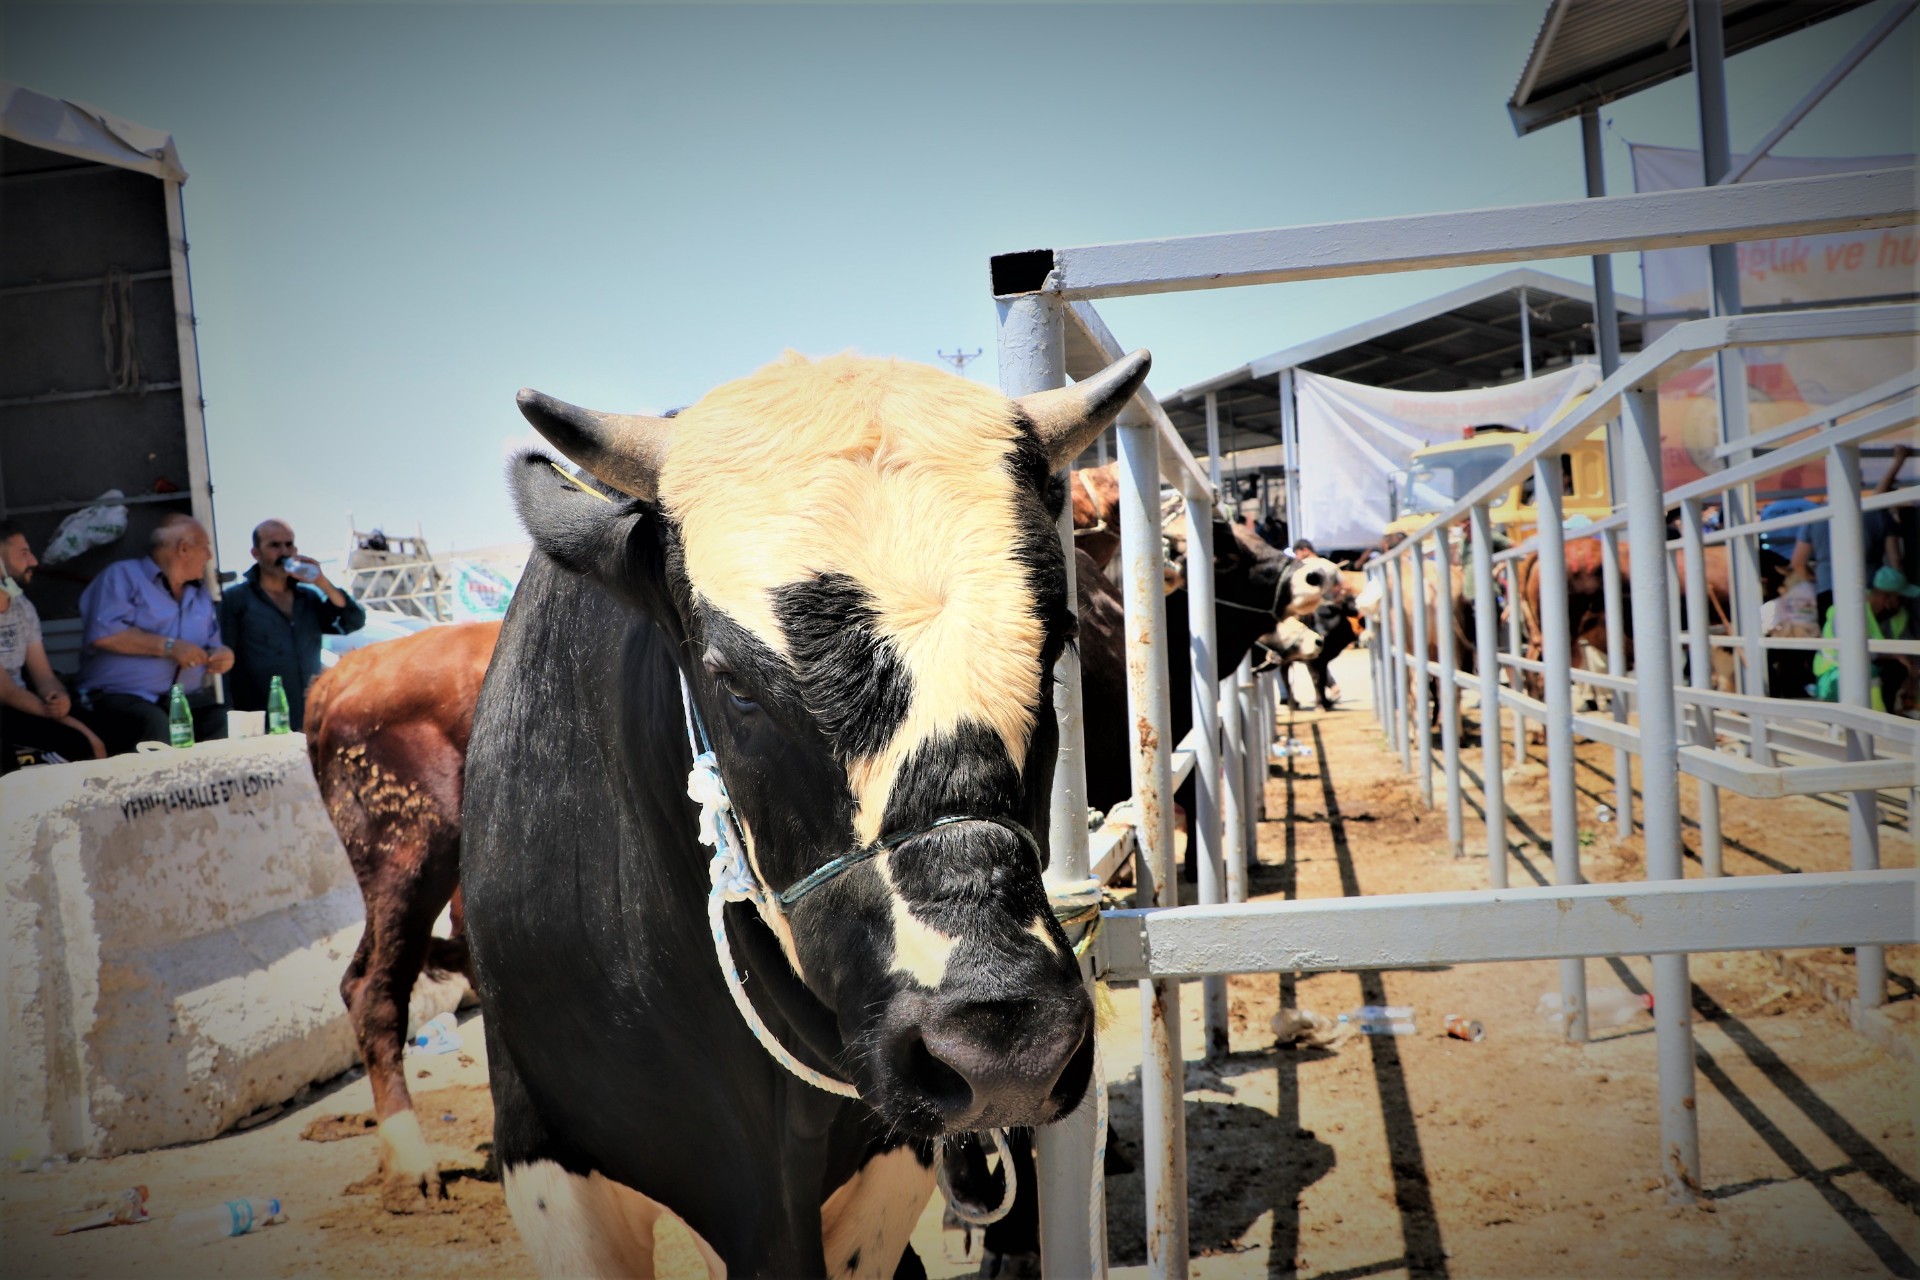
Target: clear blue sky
pixel 399 215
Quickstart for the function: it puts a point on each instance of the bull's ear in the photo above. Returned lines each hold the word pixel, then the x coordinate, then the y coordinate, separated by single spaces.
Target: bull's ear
pixel 609 539
pixel 1067 419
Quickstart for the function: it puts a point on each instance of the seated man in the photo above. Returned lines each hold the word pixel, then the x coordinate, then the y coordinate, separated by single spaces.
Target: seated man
pixel 1886 620
pixel 36 720
pixel 149 624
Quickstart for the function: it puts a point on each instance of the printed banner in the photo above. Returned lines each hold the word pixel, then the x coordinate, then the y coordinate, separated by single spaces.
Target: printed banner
pixel 1354 437
pixel 1783 383
pixel 481 592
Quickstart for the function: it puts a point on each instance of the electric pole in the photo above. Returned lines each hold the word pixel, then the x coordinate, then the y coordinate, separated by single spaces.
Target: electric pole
pixel 959 359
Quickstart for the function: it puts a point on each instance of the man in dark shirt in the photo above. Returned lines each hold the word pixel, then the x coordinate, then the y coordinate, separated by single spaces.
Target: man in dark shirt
pixel 274 622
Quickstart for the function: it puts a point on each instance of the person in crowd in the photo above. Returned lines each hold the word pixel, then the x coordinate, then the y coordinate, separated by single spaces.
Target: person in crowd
pixel 36 714
pixel 274 622
pixel 146 625
pixel 1887 619
pixel 1302 549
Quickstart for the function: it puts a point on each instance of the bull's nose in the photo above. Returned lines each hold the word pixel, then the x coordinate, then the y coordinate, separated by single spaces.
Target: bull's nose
pixel 993 1064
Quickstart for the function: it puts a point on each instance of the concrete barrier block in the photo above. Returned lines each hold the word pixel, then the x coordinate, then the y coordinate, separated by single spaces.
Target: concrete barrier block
pixel 176 926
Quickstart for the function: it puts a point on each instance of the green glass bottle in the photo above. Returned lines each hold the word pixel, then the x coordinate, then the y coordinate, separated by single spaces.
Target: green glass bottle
pixel 278 721
pixel 179 719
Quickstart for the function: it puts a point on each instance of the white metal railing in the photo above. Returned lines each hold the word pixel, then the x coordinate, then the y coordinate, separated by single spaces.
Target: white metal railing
pixel 1041 294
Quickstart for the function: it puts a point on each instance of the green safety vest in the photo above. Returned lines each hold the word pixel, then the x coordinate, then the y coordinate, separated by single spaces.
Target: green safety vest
pixel 1828 660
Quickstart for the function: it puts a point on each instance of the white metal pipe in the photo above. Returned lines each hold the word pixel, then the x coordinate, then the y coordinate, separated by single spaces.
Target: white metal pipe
pixel 1850 560
pixel 1163 1072
pixel 1700 676
pixel 1449 694
pixel 1394 931
pixel 1032 349
pixel 1486 628
pixel 1420 730
pixel 1617 664
pixel 1203 689
pixel 1606 310
pixel 1526 338
pixel 1398 667
pixel 1290 450
pixel 1253 758
pixel 1557 658
pixel 1567 229
pixel 1233 774
pixel 1642 466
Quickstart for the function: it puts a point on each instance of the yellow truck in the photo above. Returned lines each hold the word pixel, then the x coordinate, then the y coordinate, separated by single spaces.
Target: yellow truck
pixel 1440 474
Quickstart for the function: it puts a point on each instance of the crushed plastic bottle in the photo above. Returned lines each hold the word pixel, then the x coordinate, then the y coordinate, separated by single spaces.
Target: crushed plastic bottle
pixel 106 1211
pixel 439 1034
pixel 226 1220
pixel 1381 1020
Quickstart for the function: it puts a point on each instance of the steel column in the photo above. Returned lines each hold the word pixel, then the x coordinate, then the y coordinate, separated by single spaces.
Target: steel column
pixel 1419 730
pixel 1449 692
pixel 1233 773
pixel 1163 1072
pixel 1526 337
pixel 1033 352
pixel 1848 545
pixel 1606 310
pixel 1397 666
pixel 1617 662
pixel 1290 454
pixel 1486 630
pixel 1203 689
pixel 1642 469
pixel 1253 757
pixel 1516 647
pixel 1556 656
pixel 1700 676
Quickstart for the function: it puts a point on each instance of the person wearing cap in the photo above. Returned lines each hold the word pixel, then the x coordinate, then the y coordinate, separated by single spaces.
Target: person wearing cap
pixel 1887 619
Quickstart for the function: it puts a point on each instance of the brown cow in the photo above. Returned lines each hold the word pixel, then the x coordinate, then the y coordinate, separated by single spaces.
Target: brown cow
pixel 387 735
pixel 1096 513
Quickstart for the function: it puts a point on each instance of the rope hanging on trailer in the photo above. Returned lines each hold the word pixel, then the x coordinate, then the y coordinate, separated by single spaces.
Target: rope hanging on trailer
pixel 117 341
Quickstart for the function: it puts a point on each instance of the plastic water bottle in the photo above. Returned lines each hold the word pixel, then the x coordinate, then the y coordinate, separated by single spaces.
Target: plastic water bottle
pixel 301 569
pixel 278 720
pixel 1381 1020
pixel 224 1221
pixel 179 719
pixel 438 1034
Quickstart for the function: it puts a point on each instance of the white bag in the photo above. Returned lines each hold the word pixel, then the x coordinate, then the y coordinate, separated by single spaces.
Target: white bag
pixel 95 526
pixel 1794 612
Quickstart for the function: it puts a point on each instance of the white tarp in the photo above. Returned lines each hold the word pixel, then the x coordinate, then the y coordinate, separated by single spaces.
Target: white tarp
pixel 76 129
pixel 1353 437
pixel 1783 383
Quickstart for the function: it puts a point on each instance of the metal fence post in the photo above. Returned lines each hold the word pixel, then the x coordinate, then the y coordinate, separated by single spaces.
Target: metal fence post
pixel 1163 1073
pixel 1700 676
pixel 1515 646
pixel 1556 628
pixel 1033 358
pixel 1486 629
pixel 1203 689
pixel 1660 783
pixel 1617 667
pixel 1397 651
pixel 1449 692
pixel 1253 758
pixel 1856 673
pixel 1420 730
pixel 1233 775
pixel 1375 653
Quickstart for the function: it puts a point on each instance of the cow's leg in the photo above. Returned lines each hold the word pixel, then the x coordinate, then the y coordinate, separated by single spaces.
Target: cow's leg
pixel 867 1221
pixel 590 1225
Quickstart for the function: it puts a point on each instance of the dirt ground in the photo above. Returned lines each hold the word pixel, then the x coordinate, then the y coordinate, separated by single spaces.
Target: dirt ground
pixel 1520 1155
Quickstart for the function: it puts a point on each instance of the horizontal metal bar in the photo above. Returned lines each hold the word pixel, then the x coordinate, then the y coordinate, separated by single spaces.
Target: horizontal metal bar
pixel 1660 917
pixel 79 504
pixel 1904 647
pixel 1566 229
pixel 1762 782
pixel 84 282
pixel 62 397
pixel 1820 417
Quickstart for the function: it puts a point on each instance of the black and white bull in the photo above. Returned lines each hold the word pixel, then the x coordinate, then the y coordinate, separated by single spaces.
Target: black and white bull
pixel 1332 627
pixel 852 565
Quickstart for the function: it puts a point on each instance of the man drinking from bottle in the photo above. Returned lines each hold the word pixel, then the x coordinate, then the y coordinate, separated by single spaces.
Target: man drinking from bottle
pixel 274 619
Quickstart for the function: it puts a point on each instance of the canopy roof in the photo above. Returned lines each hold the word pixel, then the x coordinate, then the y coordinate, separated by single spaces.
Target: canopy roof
pixel 1591 52
pixel 1468 337
pixel 83 132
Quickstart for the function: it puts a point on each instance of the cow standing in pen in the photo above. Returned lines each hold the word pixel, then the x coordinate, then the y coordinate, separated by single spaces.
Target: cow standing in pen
pixel 843 578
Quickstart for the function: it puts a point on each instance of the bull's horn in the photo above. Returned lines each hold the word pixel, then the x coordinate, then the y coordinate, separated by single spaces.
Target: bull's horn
pixel 623 450
pixel 1069 418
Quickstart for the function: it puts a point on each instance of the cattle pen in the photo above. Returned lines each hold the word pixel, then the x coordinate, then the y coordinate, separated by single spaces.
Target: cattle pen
pixel 1049 330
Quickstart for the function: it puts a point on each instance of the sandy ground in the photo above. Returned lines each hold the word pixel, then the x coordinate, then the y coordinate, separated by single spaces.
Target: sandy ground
pixel 1520 1155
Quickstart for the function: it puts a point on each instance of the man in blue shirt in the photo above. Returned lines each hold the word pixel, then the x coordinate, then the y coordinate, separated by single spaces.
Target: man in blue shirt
pixel 274 622
pixel 147 625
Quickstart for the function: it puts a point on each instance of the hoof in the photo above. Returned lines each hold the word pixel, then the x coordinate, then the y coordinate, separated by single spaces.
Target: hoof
pixel 409 1193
